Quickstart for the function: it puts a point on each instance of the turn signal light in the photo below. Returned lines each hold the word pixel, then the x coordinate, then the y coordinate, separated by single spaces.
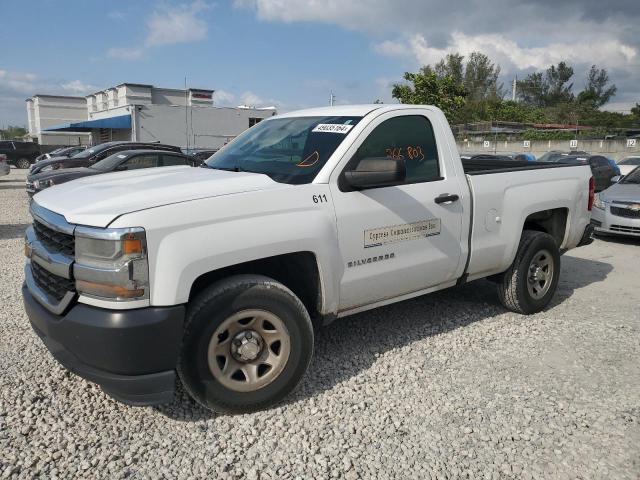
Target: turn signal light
pixel 107 291
pixel 131 246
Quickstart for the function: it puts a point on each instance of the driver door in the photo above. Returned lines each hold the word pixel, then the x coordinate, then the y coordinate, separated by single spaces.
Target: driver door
pixel 398 239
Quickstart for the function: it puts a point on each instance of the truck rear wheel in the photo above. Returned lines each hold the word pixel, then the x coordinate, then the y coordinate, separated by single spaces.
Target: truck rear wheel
pixel 531 280
pixel 248 341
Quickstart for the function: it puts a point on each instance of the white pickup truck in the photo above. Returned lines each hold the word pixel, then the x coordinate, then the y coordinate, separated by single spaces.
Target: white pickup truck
pixel 217 276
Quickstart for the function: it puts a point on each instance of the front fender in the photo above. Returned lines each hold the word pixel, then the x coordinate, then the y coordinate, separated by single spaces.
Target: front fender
pixel 188 239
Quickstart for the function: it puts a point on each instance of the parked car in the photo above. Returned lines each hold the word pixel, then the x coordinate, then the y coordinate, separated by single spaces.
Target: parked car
pixel 118 162
pixel 613 163
pixel 617 209
pixel 215 277
pixel 601 168
pixel 555 155
pixel 201 154
pixel 5 169
pixel 20 154
pixel 62 152
pixel 626 165
pixel 92 155
pixel 529 157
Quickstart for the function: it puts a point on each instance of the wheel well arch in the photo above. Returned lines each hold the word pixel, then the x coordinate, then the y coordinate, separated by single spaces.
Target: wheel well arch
pixel 552 221
pixel 298 271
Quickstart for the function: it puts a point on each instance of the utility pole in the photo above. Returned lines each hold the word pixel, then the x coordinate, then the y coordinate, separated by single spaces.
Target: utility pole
pixel 513 90
pixel 332 99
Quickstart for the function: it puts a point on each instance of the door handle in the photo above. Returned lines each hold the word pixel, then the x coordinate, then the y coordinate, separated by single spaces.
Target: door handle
pixel 446 198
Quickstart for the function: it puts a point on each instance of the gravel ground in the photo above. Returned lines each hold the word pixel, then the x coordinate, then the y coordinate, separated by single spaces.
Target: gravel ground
pixel 444 386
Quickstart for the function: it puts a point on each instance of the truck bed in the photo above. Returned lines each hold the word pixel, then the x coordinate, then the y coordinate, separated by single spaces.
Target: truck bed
pixel 502 201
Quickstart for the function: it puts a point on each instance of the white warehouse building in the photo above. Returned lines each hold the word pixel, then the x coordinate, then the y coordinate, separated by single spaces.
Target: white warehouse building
pixel 46 111
pixel 144 113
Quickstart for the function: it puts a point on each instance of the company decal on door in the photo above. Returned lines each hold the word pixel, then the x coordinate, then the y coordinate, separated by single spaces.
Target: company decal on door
pixel 401 233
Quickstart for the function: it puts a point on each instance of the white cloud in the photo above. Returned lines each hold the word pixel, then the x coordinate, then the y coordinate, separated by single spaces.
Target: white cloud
pixel 178 24
pixel 509 53
pixel 77 87
pixel 125 53
pixel 519 36
pixel 250 99
pixel 15 87
pixel 222 97
pixel 167 26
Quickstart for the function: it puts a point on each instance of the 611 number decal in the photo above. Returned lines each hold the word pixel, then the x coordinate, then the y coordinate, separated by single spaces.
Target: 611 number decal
pixel 320 198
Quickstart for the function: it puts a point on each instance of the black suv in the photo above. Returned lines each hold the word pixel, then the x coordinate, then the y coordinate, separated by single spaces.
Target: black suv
pixel 118 162
pixel 601 169
pixel 20 154
pixel 91 155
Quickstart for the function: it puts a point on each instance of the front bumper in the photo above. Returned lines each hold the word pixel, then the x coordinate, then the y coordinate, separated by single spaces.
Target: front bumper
pixel 131 354
pixel 606 222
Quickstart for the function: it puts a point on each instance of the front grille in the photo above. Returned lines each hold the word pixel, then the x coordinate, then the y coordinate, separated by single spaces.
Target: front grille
pixel 55 286
pixel 54 241
pixel 625 212
pixel 624 229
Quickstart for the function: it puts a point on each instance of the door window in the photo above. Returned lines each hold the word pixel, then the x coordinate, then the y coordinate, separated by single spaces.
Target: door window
pixel 173 160
pixel 408 137
pixel 141 161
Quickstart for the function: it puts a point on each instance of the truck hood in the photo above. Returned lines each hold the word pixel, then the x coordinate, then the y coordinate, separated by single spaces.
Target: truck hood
pixel 100 199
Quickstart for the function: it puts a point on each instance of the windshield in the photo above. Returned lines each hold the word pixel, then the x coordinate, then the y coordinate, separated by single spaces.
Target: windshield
pixel 85 153
pixel 289 150
pixel 633 177
pixel 630 161
pixel 109 163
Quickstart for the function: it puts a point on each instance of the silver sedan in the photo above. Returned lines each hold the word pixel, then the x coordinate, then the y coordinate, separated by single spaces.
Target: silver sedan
pixel 617 209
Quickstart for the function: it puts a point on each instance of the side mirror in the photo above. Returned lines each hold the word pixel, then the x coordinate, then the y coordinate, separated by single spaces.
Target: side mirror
pixel 376 172
pixel 616 179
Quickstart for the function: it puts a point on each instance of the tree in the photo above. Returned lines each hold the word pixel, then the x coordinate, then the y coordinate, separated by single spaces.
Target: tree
pixel 450 66
pixel 597 91
pixel 13 132
pixel 549 88
pixel 635 111
pixel 427 88
pixel 481 78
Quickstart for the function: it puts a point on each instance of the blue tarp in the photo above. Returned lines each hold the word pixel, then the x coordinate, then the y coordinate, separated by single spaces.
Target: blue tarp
pixel 121 122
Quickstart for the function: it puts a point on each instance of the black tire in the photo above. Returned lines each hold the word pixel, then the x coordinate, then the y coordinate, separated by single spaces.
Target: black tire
pixel 218 303
pixel 512 285
pixel 23 163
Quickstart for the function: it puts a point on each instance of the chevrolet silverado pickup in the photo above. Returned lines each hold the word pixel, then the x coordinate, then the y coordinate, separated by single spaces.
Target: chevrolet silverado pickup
pixel 216 277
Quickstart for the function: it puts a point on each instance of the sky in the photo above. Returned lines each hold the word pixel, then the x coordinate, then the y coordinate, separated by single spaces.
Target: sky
pixel 294 53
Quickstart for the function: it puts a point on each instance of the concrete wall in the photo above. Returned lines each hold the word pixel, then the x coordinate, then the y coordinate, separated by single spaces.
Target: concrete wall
pixel 616 149
pixel 199 127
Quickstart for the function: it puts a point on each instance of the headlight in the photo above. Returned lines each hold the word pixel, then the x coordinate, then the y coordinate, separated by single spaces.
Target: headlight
pixel 42 184
pixel 598 202
pixel 112 263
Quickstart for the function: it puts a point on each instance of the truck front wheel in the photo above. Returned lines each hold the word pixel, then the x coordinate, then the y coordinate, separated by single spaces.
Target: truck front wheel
pixel 531 280
pixel 248 341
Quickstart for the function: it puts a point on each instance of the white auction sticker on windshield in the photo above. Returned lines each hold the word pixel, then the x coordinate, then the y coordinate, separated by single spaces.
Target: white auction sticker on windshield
pixel 332 128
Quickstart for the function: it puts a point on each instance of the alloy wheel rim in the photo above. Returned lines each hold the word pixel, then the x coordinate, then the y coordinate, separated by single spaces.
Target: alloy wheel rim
pixel 540 274
pixel 249 350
